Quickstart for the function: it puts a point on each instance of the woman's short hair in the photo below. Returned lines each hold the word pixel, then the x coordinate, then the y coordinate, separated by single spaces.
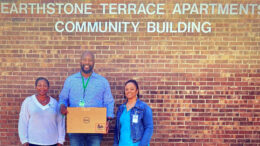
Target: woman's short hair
pixel 42 78
pixel 136 85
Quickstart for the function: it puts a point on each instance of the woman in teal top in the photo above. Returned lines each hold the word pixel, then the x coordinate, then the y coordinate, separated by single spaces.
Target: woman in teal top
pixel 134 124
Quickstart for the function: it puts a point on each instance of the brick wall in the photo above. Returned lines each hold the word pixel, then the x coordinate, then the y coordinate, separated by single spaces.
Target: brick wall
pixel 203 88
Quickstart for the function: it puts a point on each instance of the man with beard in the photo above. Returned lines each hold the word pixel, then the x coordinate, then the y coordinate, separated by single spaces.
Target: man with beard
pixel 86 89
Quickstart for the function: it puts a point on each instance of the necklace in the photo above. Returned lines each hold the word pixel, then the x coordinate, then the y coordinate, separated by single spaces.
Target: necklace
pixel 45 101
pixel 129 106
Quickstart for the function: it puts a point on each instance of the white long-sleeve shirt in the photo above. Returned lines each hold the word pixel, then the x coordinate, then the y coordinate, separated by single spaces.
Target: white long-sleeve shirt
pixel 41 125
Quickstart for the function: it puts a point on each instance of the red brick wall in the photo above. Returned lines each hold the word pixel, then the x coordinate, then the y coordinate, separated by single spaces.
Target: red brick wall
pixel 203 88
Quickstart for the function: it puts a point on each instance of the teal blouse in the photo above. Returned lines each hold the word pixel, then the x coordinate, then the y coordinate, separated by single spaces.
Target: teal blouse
pixel 125 131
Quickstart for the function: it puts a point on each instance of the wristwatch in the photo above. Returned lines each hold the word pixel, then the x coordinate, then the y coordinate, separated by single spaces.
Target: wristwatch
pixel 109 119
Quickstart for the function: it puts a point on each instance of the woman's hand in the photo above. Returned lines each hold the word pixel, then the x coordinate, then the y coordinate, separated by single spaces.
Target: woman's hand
pixel 63 109
pixel 26 144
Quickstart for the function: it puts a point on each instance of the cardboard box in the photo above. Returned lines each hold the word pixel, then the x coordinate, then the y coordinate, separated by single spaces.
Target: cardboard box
pixel 86 120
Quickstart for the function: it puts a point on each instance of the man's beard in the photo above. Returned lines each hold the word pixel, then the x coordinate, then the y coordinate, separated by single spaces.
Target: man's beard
pixel 86 71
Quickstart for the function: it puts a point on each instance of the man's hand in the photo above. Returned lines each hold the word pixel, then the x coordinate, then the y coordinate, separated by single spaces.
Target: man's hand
pixel 108 124
pixel 59 144
pixel 107 127
pixel 63 109
pixel 26 144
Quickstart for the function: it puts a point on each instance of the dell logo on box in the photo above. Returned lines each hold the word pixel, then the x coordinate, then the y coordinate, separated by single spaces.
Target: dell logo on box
pixel 86 120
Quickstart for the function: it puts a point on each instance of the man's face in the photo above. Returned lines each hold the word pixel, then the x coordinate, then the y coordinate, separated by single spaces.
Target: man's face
pixel 87 63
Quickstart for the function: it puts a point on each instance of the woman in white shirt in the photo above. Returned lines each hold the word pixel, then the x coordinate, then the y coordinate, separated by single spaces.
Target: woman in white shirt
pixel 40 122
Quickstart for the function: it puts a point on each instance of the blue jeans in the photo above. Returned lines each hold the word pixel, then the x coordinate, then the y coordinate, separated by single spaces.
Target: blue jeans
pixel 83 139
